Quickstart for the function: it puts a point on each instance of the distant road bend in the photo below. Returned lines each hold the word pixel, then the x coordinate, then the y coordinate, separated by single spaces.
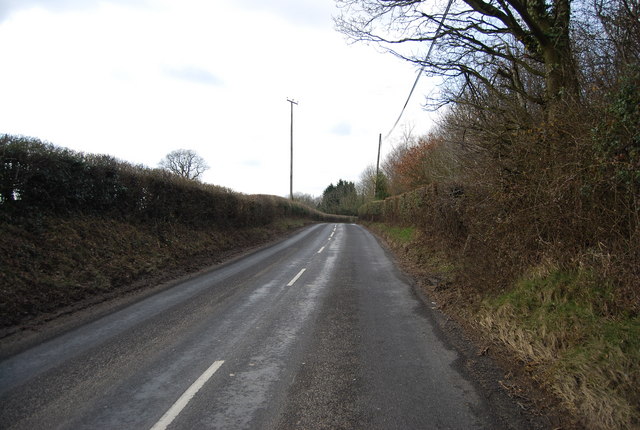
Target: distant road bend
pixel 318 331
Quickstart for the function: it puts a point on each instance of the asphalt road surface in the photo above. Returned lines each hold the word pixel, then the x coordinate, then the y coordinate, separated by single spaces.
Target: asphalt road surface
pixel 320 331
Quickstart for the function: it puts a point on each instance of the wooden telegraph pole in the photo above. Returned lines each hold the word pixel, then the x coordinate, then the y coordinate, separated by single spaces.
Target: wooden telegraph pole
pixel 292 102
pixel 375 193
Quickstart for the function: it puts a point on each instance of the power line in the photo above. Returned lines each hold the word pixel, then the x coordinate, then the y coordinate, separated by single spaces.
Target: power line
pixel 421 69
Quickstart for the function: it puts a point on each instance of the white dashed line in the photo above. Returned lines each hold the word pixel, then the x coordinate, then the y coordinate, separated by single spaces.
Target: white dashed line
pixel 321 249
pixel 179 405
pixel 293 281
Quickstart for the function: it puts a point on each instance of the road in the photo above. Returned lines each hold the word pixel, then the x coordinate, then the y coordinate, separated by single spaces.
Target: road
pixel 320 331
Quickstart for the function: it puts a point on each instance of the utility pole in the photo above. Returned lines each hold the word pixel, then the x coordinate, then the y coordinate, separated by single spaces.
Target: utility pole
pixel 375 193
pixel 292 102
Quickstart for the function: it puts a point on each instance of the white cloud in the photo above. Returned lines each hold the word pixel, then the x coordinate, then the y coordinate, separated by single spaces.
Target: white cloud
pixel 341 129
pixel 299 12
pixel 194 74
pixel 8 7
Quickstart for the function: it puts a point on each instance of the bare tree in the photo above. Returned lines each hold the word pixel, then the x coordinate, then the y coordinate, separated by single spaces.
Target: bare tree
pixel 185 163
pixel 484 47
pixel 307 199
pixel 621 23
pixel 366 185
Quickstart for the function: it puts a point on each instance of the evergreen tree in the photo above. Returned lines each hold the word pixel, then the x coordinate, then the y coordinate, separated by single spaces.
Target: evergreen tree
pixel 341 199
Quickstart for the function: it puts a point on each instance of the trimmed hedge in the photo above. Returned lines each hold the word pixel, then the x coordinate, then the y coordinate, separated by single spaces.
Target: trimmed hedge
pixel 40 178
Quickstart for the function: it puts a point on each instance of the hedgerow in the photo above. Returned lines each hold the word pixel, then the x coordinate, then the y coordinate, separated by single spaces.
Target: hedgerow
pixel 40 178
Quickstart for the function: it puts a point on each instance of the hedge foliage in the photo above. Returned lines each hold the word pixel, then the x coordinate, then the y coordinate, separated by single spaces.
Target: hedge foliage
pixel 40 178
pixel 414 208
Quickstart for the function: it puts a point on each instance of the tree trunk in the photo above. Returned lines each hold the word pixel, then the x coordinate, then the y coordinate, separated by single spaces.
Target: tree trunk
pixel 560 68
pixel 560 76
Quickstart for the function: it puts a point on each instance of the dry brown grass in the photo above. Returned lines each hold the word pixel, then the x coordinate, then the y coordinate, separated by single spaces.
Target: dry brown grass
pixel 561 326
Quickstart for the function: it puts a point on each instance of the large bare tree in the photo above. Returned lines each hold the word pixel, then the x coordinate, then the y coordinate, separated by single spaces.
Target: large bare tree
pixel 185 163
pixel 519 49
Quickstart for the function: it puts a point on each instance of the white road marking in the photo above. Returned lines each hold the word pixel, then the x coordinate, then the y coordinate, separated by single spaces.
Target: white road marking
pixel 332 233
pixel 180 404
pixel 321 249
pixel 293 281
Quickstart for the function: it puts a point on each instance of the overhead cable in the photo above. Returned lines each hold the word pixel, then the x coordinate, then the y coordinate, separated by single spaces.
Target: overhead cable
pixel 421 69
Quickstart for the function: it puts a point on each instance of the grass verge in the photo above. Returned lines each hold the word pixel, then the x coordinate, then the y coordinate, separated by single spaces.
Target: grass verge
pixel 565 327
pixel 399 235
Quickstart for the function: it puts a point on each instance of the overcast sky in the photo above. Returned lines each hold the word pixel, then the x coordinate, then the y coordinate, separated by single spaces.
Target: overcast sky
pixel 137 79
